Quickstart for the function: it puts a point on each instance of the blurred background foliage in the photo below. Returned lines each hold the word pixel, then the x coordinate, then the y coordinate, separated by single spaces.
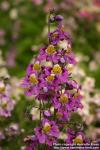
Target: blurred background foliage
pixel 23 30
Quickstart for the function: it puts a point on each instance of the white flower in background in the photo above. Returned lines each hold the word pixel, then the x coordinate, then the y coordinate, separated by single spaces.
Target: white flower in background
pixel 96 99
pixel 70 24
pixel 23 147
pixel 80 58
pixel 88 84
pixel 5 5
pixel 37 2
pixel 93 65
pixel 13 129
pixel 16 90
pixel 98 113
pixel 93 132
pixel 13 14
pixel 85 110
pixel 78 73
pixel 3 70
pixel 97 57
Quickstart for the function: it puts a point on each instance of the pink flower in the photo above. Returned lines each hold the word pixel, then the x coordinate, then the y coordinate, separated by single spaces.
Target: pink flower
pixel 96 2
pixel 48 133
pixel 76 137
pixel 6 106
pixel 6 103
pixel 53 86
pixel 86 14
pixel 37 2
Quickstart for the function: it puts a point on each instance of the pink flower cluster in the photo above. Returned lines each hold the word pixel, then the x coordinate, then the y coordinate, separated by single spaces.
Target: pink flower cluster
pixel 52 85
pixel 6 103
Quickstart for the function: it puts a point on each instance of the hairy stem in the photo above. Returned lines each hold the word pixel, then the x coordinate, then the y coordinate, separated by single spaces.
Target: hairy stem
pixel 49 26
pixel 40 111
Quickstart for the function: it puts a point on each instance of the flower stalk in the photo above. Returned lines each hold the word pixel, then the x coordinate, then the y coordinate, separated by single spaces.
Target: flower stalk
pixel 40 111
pixel 49 26
pixel 50 82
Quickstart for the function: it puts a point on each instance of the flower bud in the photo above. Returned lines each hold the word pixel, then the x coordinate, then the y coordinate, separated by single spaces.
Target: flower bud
pixel 59 18
pixel 52 19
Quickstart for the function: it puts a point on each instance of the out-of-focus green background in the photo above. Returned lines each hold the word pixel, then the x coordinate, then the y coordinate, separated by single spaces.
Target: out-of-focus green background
pixel 23 30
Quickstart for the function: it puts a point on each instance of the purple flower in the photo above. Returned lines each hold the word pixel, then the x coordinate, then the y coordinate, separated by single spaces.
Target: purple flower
pixel 13 129
pixel 63 114
pixel 76 137
pixel 6 103
pixel 6 106
pixel 58 35
pixel 50 82
pixel 32 142
pixel 65 103
pixel 48 133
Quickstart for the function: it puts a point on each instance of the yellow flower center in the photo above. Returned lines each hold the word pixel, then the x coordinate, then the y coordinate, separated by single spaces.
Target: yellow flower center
pixel 47 128
pixel 64 98
pixel 63 29
pixel 50 78
pixel 68 51
pixel 58 114
pixel 2 87
pixel 55 34
pixel 26 89
pixel 57 69
pixel 76 95
pixel 50 50
pixel 33 79
pixel 4 105
pixel 37 67
pixel 78 140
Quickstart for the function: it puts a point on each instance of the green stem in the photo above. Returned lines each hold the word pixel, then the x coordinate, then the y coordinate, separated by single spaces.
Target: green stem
pixel 40 111
pixel 49 26
pixel 54 114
